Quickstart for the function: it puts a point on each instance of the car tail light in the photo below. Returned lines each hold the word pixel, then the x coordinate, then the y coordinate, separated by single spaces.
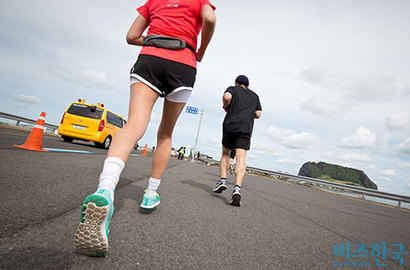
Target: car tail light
pixel 62 119
pixel 101 126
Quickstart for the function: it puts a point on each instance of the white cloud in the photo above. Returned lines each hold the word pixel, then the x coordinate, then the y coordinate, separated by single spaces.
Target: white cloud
pixel 328 155
pixel 291 162
pixel 27 99
pixel 405 92
pixel 88 78
pixel 264 148
pixel 390 172
pixel 355 157
pixel 290 138
pixel 387 179
pixel 363 138
pixel 398 121
pixel 385 141
pixel 404 164
pixel 318 105
pixel 404 147
pixel 274 154
pixel 353 86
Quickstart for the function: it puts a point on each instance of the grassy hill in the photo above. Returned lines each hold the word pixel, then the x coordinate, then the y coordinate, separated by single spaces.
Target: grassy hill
pixel 331 172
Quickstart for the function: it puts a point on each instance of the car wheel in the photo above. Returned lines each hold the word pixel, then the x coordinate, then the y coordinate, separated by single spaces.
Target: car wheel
pixel 67 139
pixel 107 142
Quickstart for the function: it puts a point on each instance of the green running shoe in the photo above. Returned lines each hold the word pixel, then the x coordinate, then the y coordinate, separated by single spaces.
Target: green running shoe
pixel 91 237
pixel 149 202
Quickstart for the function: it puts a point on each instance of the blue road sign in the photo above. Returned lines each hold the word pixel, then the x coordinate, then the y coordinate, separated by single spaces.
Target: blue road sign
pixel 192 110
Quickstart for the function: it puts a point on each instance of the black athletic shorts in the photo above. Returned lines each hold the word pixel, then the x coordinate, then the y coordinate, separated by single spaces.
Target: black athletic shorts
pixel 236 140
pixel 162 75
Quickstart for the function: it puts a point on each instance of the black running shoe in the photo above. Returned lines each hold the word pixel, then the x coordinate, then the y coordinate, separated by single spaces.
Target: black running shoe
pixel 220 186
pixel 236 196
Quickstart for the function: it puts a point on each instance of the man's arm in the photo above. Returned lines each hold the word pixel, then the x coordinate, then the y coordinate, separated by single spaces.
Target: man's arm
pixel 208 27
pixel 226 100
pixel 257 114
pixel 258 110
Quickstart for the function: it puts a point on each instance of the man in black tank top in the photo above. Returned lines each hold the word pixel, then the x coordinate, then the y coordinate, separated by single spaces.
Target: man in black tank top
pixel 242 106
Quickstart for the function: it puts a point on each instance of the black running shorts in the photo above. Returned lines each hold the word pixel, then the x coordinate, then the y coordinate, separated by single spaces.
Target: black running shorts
pixel 163 76
pixel 236 140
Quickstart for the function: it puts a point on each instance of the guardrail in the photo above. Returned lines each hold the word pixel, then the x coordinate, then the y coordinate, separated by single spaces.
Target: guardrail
pixel 350 188
pixel 20 119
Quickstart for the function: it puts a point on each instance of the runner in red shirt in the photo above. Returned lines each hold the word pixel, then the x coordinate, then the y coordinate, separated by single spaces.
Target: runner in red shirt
pixel 167 72
pixel 177 18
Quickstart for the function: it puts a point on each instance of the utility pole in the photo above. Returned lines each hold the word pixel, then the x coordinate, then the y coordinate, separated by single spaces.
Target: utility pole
pixel 201 112
pixel 194 110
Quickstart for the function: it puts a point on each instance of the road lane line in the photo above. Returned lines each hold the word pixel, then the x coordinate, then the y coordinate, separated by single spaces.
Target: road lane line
pixel 67 151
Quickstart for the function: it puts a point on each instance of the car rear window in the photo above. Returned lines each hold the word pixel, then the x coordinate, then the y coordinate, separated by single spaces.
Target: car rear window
pixel 85 111
pixel 114 119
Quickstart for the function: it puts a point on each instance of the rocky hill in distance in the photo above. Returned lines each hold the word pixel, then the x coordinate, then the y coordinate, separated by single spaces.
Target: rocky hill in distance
pixel 331 172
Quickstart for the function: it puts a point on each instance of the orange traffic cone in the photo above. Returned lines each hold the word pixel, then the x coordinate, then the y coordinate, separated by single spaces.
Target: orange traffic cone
pixel 144 152
pixel 35 138
pixel 175 153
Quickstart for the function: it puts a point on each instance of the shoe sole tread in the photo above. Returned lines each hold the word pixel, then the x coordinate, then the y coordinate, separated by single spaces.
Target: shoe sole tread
pixel 89 236
pixel 220 189
pixel 236 200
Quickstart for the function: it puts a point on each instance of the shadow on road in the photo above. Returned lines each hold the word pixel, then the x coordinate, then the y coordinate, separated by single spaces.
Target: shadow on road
pixel 146 211
pixel 128 191
pixel 37 258
pixel 206 188
pixel 213 174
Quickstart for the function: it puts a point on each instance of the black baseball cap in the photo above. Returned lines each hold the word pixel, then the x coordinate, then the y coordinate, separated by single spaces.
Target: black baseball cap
pixel 242 79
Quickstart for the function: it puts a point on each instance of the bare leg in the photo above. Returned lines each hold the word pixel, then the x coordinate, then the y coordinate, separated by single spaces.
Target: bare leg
pixel 142 99
pixel 240 168
pixel 170 115
pixel 224 163
pixel 99 206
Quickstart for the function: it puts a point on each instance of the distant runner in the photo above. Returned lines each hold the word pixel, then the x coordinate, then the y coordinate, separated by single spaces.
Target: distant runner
pixel 166 67
pixel 242 105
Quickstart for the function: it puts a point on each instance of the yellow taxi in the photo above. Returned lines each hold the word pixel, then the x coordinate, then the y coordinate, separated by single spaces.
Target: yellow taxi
pixel 88 122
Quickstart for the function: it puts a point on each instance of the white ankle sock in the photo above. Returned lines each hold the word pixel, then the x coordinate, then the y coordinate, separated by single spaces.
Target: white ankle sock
pixel 110 175
pixel 153 185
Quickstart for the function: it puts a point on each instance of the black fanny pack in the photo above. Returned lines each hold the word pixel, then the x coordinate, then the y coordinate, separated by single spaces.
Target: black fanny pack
pixel 170 43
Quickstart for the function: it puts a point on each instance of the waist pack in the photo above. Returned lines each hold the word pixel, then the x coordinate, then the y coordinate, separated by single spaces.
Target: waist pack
pixel 170 43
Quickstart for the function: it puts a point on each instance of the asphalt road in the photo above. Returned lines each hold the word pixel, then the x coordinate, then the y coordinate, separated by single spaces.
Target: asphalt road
pixel 278 226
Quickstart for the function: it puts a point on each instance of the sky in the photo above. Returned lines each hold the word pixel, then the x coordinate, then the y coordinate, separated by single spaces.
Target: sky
pixel 332 76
